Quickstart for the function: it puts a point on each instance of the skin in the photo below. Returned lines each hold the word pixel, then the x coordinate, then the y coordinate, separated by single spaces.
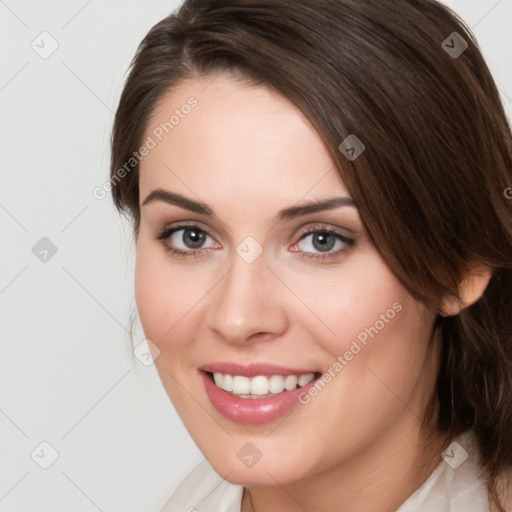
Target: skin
pixel 247 153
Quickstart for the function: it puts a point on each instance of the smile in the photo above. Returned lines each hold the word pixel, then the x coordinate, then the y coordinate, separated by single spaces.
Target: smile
pixel 255 394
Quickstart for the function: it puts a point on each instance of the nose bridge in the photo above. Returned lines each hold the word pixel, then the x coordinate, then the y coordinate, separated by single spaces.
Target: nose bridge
pixel 246 302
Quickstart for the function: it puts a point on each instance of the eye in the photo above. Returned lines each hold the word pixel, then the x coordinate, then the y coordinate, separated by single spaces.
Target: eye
pixel 186 240
pixel 322 243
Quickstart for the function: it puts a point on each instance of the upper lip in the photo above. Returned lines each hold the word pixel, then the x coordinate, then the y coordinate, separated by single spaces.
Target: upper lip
pixel 253 369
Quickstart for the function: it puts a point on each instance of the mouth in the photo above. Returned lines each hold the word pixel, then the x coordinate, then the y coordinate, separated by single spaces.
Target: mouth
pixel 255 394
pixel 260 386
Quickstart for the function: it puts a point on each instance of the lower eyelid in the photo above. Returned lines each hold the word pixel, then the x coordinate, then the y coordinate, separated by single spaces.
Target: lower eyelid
pixel 184 254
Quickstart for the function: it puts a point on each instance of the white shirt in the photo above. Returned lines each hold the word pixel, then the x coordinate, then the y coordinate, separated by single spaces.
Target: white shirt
pixel 456 485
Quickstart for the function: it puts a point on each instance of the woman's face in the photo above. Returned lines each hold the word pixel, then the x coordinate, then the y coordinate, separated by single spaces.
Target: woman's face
pixel 252 261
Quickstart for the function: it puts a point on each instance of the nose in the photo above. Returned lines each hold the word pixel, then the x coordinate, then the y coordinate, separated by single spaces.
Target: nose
pixel 247 304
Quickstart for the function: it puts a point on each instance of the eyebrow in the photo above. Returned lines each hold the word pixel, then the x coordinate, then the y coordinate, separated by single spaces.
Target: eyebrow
pixel 178 200
pixel 285 214
pixel 315 206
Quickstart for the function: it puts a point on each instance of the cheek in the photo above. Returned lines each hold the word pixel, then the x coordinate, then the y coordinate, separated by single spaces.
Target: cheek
pixel 383 364
pixel 165 295
pixel 375 333
pixel 358 301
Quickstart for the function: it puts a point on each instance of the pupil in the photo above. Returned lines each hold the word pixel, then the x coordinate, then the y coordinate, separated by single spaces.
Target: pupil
pixel 193 238
pixel 323 241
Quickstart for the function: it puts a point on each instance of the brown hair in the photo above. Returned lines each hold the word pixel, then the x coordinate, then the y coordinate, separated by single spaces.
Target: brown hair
pixel 429 185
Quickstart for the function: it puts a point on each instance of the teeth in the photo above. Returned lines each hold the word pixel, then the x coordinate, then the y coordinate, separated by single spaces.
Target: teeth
pixel 218 379
pixel 261 385
pixel 241 385
pixel 305 379
pixel 227 383
pixel 290 382
pixel 276 384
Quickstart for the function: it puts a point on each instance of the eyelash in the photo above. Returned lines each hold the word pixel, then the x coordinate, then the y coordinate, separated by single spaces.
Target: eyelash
pixel 168 231
pixel 349 243
pixel 164 235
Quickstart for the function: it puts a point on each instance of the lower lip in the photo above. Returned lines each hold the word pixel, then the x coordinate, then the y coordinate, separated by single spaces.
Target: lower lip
pixel 252 410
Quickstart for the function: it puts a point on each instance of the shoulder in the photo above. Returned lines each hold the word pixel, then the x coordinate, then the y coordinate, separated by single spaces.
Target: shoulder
pixel 203 490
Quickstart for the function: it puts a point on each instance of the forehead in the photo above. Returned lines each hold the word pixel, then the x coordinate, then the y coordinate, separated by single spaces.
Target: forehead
pixel 221 136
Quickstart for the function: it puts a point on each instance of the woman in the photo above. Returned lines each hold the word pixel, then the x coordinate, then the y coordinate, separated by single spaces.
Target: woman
pixel 324 253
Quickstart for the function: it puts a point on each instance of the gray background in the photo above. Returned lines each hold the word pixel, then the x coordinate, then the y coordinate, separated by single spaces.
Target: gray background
pixel 66 376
